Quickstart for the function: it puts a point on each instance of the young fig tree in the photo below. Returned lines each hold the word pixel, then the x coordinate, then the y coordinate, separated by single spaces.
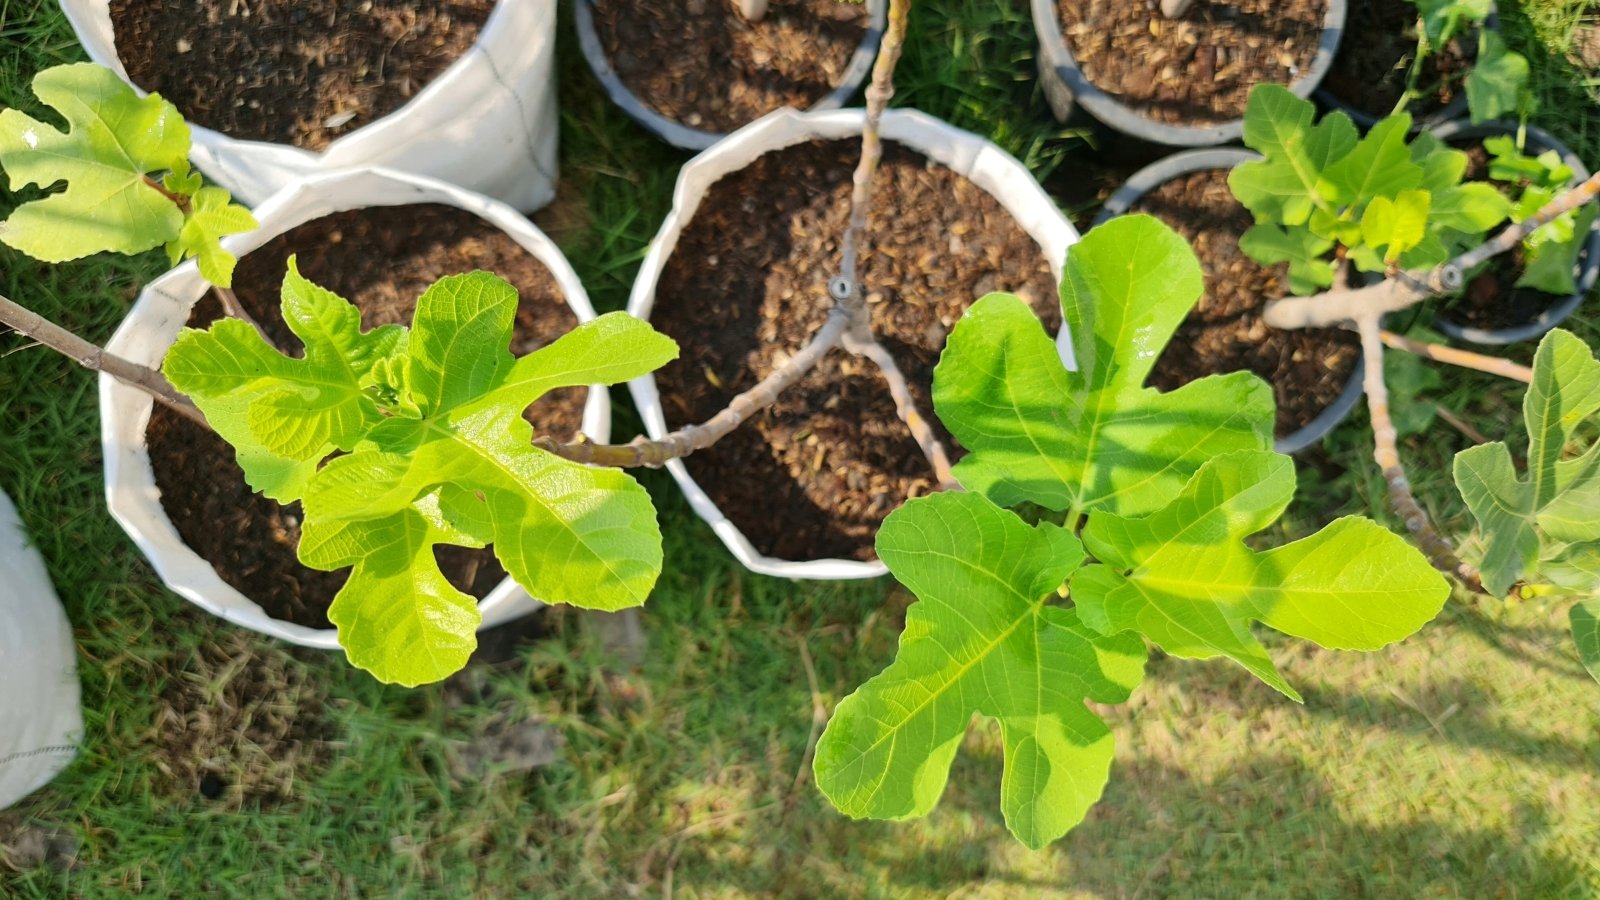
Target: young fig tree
pixel 1150 496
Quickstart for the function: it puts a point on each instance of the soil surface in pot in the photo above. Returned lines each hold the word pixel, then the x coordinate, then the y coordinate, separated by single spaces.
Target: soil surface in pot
pixel 813 475
pixel 1307 369
pixel 1380 40
pixel 1492 300
pixel 300 72
pixel 1197 69
pixel 701 63
pixel 381 260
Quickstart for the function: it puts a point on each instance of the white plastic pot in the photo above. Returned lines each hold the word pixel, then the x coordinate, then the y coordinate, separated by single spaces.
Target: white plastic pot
pixel 40 719
pixel 965 153
pixel 163 308
pixel 487 123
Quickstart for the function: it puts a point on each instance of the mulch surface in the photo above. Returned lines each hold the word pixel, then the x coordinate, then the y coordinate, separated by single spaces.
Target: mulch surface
pixel 300 72
pixel 1380 40
pixel 1224 333
pixel 1197 69
pixel 700 63
pixel 381 260
pixel 814 475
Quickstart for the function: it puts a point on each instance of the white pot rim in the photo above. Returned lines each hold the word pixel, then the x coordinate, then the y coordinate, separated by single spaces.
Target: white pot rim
pixel 973 157
pixel 357 143
pixel 162 309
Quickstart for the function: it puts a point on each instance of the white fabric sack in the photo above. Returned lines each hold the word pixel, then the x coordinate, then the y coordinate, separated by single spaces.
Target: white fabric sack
pixel 487 123
pixel 163 308
pixel 40 719
pixel 963 152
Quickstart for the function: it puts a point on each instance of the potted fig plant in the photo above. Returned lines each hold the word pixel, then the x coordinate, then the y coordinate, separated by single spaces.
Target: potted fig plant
pixel 1096 513
pixel 693 72
pixel 279 91
pixel 739 285
pixel 114 201
pixel 377 237
pixel 1180 75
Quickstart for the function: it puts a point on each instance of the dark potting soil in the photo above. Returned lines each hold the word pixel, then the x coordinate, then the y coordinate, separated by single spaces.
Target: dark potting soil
pixel 813 475
pixel 1224 333
pixel 300 72
pixel 1380 40
pixel 1491 300
pixel 1197 69
pixel 381 260
pixel 701 63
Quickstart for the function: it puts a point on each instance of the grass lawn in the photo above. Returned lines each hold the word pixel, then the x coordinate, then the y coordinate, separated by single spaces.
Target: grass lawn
pixel 1464 762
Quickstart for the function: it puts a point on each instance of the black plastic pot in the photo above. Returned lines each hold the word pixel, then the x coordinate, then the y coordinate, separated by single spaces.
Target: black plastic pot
pixel 1455 109
pixel 1066 87
pixel 1462 131
pixel 695 139
pixel 1164 170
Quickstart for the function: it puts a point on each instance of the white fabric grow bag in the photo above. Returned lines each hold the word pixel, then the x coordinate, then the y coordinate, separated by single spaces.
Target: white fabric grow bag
pixel 965 153
pixel 40 720
pixel 487 123
pixel 162 309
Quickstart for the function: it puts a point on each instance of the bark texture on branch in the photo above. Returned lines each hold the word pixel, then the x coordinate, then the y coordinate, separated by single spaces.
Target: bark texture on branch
pixel 1386 453
pixel 1409 288
pixel 642 451
pixel 1494 365
pixel 94 357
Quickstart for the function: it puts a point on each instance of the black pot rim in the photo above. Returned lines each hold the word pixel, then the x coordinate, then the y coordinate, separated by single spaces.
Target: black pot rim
pixel 1455 109
pixel 1059 65
pixel 695 139
pixel 1168 168
pixel 1588 260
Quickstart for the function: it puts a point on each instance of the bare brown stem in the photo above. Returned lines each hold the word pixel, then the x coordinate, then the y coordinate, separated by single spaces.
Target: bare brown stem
pixel 847 289
pixel 1494 365
pixel 1386 453
pixel 1460 424
pixel 1406 289
pixel 906 406
pixel 642 451
pixel 181 201
pixel 848 324
pixel 232 306
pixel 95 357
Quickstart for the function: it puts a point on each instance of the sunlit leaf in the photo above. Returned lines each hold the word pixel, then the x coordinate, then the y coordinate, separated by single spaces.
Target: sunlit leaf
pixel 983 638
pixel 436 450
pixel 1095 437
pixel 113 141
pixel 1184 577
pixel 1559 496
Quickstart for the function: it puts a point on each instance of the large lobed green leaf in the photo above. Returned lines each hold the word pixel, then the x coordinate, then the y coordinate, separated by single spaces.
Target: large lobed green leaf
pixel 1183 577
pixel 1559 497
pixel 114 147
pixel 983 638
pixel 113 140
pixel 1095 437
pixel 1289 184
pixel 436 450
